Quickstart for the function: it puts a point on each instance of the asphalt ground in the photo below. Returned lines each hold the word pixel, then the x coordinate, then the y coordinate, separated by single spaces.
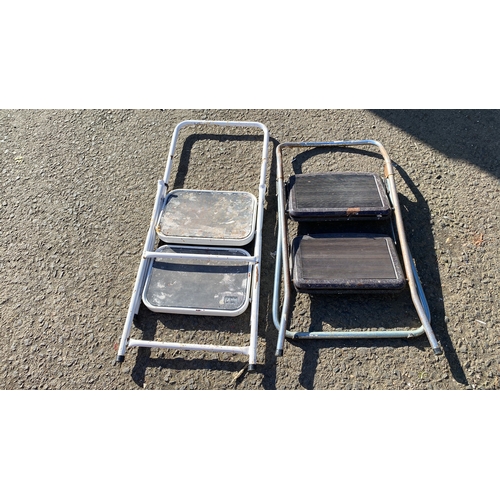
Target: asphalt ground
pixel 77 192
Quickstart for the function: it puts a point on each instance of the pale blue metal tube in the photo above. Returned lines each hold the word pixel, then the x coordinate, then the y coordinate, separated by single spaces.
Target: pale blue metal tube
pixel 346 334
pixel 277 282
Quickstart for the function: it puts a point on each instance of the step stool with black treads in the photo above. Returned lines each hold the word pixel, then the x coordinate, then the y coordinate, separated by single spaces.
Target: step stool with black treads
pixel 336 262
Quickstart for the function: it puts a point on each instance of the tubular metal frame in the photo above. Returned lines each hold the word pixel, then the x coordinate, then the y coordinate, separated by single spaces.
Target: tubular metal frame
pixel 149 253
pixel 283 263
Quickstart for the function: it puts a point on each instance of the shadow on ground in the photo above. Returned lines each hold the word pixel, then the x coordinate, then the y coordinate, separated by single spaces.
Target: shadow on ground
pixel 469 134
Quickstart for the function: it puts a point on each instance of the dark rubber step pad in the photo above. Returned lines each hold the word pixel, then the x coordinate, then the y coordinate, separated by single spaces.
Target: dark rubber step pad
pixel 346 262
pixel 337 195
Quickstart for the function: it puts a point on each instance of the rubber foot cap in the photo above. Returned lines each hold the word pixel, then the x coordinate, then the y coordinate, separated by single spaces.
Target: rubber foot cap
pixel 120 358
pixel 438 351
pixel 279 352
pixel 251 368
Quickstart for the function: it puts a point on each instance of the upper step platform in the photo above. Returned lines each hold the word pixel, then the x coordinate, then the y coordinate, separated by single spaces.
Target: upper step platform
pixel 337 196
pixel 197 217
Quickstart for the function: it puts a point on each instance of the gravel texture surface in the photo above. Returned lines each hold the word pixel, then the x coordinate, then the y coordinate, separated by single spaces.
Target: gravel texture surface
pixel 77 193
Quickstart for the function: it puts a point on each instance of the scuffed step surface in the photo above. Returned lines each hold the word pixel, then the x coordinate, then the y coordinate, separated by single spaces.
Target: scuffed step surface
pixel 346 262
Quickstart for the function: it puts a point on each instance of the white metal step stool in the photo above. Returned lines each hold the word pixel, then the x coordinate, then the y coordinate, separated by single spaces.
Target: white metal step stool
pixel 337 262
pixel 201 268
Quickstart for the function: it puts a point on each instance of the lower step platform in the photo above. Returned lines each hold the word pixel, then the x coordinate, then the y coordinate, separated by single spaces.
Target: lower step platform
pixel 208 287
pixel 346 263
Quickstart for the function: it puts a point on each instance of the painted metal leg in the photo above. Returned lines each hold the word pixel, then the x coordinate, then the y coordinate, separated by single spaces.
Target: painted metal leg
pixel 276 297
pixel 425 314
pixel 133 306
pixel 135 300
pixel 282 261
pixel 254 319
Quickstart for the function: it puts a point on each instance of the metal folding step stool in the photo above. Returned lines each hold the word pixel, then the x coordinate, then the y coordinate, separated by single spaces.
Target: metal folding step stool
pixel 343 262
pixel 201 267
